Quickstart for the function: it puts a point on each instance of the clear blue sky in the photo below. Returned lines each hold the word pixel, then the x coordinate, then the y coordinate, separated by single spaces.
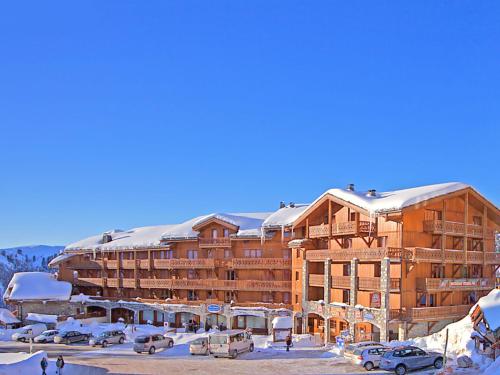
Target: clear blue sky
pixel 115 114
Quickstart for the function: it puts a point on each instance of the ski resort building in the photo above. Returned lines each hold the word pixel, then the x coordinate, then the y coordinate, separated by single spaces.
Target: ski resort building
pixel 228 270
pixel 370 265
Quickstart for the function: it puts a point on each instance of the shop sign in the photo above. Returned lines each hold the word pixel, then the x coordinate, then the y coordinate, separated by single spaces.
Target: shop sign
pixel 214 309
pixel 375 300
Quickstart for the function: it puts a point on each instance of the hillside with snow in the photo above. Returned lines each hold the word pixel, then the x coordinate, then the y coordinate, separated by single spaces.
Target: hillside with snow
pixel 24 258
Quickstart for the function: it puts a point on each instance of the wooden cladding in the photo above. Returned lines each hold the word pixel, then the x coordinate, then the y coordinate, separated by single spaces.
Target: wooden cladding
pixel 465 284
pixel 316 280
pixel 256 263
pixel 216 284
pixel 214 242
pixel 418 254
pixel 183 263
pixel 416 314
pixel 344 282
pixel 457 229
pixel 343 229
pixel 89 281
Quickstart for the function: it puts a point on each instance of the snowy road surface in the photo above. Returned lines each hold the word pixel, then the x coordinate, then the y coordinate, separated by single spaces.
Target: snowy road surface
pixel 121 359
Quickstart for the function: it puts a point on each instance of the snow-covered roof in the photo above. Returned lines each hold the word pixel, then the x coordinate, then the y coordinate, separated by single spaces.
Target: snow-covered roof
pixel 490 306
pixel 284 216
pixel 59 259
pixel 395 200
pixel 42 318
pixel 282 322
pixel 37 286
pixel 7 317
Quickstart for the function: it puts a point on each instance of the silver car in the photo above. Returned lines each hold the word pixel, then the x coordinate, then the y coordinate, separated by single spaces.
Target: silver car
pixel 401 360
pixel 369 356
pixel 108 337
pixel 150 343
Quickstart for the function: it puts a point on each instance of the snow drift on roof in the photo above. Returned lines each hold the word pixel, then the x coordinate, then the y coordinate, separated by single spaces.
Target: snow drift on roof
pixel 59 259
pixel 37 286
pixel 7 317
pixel 490 306
pixel 42 318
pixel 394 200
pixel 284 216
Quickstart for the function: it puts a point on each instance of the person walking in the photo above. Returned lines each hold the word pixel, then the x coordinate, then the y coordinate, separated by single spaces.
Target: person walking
pixel 60 364
pixel 288 342
pixel 44 365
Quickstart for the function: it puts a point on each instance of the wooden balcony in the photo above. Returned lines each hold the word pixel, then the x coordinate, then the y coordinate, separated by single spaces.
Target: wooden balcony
pixel 128 283
pixel 111 264
pixel 128 264
pixel 215 284
pixel 316 280
pixel 214 242
pixel 112 282
pixel 420 254
pixel 417 314
pixel 492 258
pixel 347 228
pixel 89 281
pixel 341 282
pixel 373 283
pixel 367 254
pixel 440 285
pixel 184 263
pixel 457 229
pixel 260 263
pixel 85 265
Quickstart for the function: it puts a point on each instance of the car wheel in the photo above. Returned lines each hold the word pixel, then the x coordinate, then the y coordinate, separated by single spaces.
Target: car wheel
pixel 368 366
pixel 170 344
pixel 438 363
pixel 234 354
pixel 400 370
pixel 251 348
pixel 104 344
pixel 121 341
pixel 152 350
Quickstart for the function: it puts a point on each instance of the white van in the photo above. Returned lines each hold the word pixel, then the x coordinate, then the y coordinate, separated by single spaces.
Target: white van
pixel 230 343
pixel 29 332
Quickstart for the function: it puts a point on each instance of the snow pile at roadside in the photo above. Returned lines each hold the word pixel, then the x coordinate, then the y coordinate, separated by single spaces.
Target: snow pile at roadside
pixel 490 306
pixel 37 286
pixel 21 363
pixel 6 334
pixel 7 317
pixel 494 368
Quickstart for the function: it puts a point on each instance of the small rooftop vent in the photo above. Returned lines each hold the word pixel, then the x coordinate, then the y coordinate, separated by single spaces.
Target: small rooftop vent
pixel 106 237
pixel 350 187
pixel 282 204
pixel 372 193
pixel 292 204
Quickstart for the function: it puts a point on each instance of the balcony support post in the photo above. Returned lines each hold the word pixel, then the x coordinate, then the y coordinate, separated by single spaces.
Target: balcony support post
pixel 466 218
pixel 402 331
pixel 385 289
pixel 305 282
pixel 327 284
pixel 485 218
pixel 443 236
pixel 353 295
pixel 327 330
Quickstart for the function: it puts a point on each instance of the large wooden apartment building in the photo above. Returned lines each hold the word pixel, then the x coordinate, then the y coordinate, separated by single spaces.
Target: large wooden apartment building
pixel 230 270
pixel 378 266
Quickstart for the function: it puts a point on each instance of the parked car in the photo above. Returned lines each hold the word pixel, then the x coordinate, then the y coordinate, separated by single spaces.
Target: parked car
pixel 151 343
pixel 199 346
pixel 70 336
pixel 401 360
pixel 369 356
pixel 350 348
pixel 29 332
pixel 46 336
pixel 108 337
pixel 230 343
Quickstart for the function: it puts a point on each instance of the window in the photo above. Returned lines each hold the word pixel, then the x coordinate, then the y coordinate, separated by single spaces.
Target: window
pixel 382 241
pixel 192 254
pixel 227 253
pixel 230 275
pixel 352 216
pixel 377 270
pixel 287 275
pixel 296 298
pixel 226 232
pixel 347 243
pixel 267 297
pixel 214 233
pixel 346 269
pixel 192 274
pixel 345 295
pixel 297 275
pixel 210 253
pixel 286 297
pixel 297 253
pixel 253 253
pixel 436 270
pixel 229 296
pixel 192 295
pixel 169 254
pixel 286 253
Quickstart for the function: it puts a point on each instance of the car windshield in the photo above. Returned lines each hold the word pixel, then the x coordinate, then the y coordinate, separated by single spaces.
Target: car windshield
pixel 104 334
pixel 218 339
pixel 49 333
pixel 142 340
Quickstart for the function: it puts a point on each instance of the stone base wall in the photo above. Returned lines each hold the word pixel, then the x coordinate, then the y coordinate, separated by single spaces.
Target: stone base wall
pixel 49 307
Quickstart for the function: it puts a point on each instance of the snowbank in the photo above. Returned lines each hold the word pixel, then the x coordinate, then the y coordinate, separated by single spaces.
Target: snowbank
pixel 37 286
pixel 21 363
pixel 490 306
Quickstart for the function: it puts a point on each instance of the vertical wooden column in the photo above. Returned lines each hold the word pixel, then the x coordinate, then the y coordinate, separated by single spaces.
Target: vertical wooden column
pixel 330 223
pixel 307 227
pixel 466 219
pixel 485 222
pixel 443 238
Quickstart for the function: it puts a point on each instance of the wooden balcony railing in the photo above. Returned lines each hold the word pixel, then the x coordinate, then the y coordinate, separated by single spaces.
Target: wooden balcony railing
pixel 316 280
pixel 215 242
pixel 456 228
pixel 256 263
pixel 368 254
pixel 433 284
pixel 85 265
pixel 420 254
pixel 197 284
pixel 128 264
pixel 492 258
pixel 112 283
pixel 373 283
pixel 128 283
pixel 317 231
pixel 342 229
pixel 341 282
pixel 111 264
pixel 184 263
pixel 435 313
pixel 89 281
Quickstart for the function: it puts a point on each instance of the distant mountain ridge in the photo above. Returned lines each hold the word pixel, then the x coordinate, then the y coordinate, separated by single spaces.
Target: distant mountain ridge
pixel 24 258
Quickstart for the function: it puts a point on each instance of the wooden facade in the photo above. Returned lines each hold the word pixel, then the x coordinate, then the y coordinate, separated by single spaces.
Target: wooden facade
pixel 401 273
